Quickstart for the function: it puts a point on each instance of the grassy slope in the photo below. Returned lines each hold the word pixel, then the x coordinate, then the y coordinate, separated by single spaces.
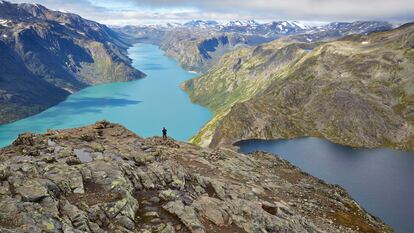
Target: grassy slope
pixel 357 91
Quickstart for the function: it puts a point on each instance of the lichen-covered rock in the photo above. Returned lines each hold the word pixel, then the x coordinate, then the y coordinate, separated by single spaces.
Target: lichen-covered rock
pixel 68 178
pixel 186 214
pixel 168 195
pixel 32 191
pixel 24 139
pixel 213 209
pixel 182 188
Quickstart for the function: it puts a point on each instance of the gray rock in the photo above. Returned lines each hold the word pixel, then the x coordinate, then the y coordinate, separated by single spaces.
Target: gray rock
pixel 167 195
pixel 154 200
pixel 186 214
pixel 50 142
pixel 127 222
pixel 32 191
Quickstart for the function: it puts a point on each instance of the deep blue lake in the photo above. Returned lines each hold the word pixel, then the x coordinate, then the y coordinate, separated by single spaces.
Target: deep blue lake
pixel 143 106
pixel 381 180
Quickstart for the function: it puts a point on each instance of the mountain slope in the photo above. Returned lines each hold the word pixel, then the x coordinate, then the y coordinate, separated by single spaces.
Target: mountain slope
pixel 104 178
pixel 333 31
pixel 356 91
pixel 198 45
pixel 52 54
pixel 26 94
pixel 201 50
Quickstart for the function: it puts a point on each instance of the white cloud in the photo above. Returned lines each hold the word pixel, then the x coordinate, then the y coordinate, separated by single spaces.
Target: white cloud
pixel 301 9
pixel 153 11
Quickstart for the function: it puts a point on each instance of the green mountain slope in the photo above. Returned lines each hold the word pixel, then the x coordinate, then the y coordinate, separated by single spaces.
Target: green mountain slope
pixel 199 45
pixel 45 55
pixel 356 91
pixel 199 50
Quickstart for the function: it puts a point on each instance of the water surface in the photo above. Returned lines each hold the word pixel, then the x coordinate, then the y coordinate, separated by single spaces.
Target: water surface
pixel 143 106
pixel 381 180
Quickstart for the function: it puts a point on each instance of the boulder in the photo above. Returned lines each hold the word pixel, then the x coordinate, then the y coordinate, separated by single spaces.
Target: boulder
pixel 32 191
pixel 186 214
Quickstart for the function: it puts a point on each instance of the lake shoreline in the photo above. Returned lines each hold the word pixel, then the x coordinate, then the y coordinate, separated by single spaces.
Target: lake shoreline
pixel 378 179
pixel 154 96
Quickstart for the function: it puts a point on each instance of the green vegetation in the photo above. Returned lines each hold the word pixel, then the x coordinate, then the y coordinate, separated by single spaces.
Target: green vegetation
pixel 43 63
pixel 349 92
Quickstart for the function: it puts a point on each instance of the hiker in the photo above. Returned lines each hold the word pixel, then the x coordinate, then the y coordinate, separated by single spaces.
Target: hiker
pixel 164 133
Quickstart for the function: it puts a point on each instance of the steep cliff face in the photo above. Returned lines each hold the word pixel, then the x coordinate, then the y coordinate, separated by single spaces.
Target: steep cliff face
pixel 356 91
pixel 22 93
pixel 103 178
pixel 46 55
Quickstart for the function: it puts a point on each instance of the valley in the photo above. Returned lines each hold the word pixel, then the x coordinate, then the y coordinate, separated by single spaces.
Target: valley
pixel 331 102
pixel 199 44
pixel 144 106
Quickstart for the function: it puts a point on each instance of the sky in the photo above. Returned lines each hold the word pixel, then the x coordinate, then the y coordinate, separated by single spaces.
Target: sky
pixel 135 12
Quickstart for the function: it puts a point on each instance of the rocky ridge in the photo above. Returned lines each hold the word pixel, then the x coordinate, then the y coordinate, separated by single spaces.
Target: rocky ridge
pixel 356 91
pixel 104 178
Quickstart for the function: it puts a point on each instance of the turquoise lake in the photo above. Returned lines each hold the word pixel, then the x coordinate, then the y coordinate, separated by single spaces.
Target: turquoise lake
pixel 143 106
pixel 381 180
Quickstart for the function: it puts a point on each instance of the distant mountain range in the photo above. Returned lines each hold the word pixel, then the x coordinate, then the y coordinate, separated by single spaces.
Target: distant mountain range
pixel 247 26
pixel 199 44
pixel 45 55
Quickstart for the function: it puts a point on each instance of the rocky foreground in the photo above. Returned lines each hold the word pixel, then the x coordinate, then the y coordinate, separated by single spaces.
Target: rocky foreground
pixel 104 178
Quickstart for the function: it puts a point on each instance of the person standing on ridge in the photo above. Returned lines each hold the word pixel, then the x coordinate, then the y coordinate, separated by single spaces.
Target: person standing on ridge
pixel 164 133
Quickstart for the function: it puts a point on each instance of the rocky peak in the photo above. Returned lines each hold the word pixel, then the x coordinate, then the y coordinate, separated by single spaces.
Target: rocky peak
pixel 23 11
pixel 358 27
pixel 200 23
pixel 36 10
pixel 12 11
pixel 244 23
pixel 103 178
pixel 285 27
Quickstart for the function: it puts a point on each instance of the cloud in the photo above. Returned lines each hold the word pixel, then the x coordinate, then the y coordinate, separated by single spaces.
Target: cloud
pixel 82 7
pixel 158 11
pixel 300 9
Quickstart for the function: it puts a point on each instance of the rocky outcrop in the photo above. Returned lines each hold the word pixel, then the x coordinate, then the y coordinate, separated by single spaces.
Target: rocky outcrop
pixel 46 55
pixel 357 91
pixel 132 184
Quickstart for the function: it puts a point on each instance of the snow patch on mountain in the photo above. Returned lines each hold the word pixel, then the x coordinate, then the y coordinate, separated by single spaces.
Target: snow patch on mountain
pixel 4 22
pixel 242 23
pixel 301 25
pixel 201 23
